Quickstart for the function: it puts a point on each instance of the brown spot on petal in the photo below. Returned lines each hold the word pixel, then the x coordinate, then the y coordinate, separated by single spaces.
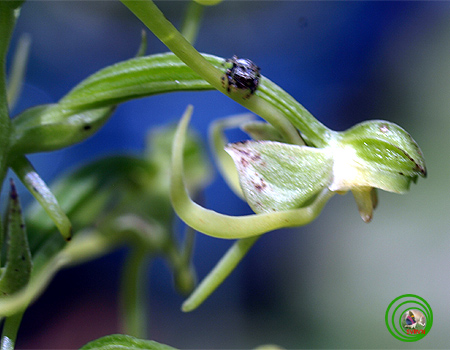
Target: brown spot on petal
pixel 384 128
pixel 259 185
pixel 255 157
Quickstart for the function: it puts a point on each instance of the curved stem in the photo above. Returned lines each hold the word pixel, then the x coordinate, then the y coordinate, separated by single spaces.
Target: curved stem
pixel 154 19
pixel 218 274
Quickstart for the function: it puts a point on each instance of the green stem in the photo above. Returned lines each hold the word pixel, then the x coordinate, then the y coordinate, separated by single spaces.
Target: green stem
pixel 153 18
pixel 192 20
pixel 7 21
pixel 18 69
pixel 10 329
pixel 180 260
pixel 133 290
pixel 188 245
pixel 221 271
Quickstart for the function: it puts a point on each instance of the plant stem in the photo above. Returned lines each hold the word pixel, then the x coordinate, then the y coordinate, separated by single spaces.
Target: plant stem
pixel 221 271
pixel 18 69
pixel 10 329
pixel 191 23
pixel 7 21
pixel 154 19
pixel 133 293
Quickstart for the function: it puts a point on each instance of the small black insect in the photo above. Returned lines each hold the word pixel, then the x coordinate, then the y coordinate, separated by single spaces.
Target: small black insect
pixel 243 75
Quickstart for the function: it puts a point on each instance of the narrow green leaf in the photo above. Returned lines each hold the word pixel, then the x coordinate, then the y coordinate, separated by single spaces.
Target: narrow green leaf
pixel 276 176
pixel 38 188
pixel 17 270
pixel 121 341
pixel 219 273
pixel 135 78
pixel 145 76
pixel 84 194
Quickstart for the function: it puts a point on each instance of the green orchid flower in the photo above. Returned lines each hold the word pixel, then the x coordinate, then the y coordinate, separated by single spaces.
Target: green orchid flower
pixel 288 185
pixel 276 176
pixel 287 176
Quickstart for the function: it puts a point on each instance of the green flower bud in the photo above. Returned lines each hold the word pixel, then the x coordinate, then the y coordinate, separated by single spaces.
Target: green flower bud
pixel 376 154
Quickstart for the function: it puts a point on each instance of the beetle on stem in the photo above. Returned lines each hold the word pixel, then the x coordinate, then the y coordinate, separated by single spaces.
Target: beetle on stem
pixel 243 75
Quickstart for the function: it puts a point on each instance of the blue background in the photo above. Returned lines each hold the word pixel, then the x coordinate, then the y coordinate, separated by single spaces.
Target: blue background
pixel 326 285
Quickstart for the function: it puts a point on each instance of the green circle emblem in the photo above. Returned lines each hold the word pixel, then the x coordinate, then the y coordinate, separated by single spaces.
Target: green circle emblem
pixel 409 318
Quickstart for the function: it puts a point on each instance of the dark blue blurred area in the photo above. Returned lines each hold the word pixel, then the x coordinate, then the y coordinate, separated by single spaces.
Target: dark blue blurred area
pixel 325 54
